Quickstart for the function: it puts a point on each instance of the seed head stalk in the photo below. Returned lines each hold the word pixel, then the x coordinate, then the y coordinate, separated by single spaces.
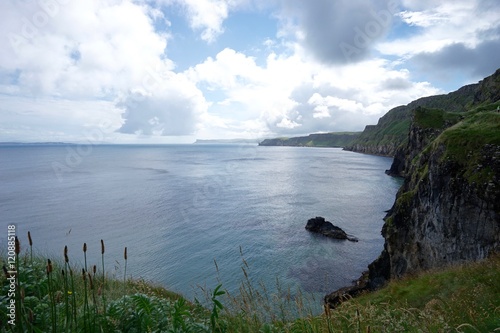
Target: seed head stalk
pixel 125 270
pixel 103 277
pixel 31 247
pixel 66 289
pixel 85 255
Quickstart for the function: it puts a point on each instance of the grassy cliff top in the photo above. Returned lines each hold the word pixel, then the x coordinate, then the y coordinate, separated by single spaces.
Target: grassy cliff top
pixel 474 144
pixel 333 139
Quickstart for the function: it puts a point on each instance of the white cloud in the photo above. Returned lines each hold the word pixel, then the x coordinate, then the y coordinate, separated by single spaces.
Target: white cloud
pixel 287 123
pixel 322 105
pixel 292 95
pixel 92 52
pixel 207 16
pixel 228 70
pixel 52 119
pixel 89 48
pixel 422 19
pixel 170 107
pixel 443 24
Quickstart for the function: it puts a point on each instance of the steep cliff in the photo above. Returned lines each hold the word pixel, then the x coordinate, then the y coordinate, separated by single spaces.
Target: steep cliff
pixel 448 209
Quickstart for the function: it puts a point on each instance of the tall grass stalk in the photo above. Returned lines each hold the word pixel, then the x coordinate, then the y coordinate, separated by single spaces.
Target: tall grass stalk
pixel 73 298
pixel 85 302
pixel 103 279
pixel 125 268
pixel 94 312
pixel 85 255
pixel 53 314
pixel 68 316
pixel 30 241
pixel 18 298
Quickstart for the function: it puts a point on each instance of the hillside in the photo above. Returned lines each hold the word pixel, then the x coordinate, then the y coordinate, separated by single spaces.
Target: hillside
pixel 339 139
pixel 448 209
pixel 392 129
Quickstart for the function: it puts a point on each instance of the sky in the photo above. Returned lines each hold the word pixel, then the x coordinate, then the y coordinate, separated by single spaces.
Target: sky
pixel 173 71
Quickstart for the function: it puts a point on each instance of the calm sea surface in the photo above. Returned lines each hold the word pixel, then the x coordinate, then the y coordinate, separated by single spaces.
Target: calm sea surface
pixel 178 208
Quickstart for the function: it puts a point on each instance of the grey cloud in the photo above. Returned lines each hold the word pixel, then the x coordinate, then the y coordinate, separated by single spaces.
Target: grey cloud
pixel 168 115
pixel 396 84
pixel 480 61
pixel 340 31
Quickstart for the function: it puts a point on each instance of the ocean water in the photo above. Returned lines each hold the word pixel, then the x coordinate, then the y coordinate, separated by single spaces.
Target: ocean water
pixel 183 210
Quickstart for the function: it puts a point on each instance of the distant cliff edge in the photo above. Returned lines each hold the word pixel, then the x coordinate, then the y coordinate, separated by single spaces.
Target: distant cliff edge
pixel 448 209
pixel 339 139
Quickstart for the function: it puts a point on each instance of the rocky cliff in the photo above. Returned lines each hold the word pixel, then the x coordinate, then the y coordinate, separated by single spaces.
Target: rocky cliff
pixel 448 209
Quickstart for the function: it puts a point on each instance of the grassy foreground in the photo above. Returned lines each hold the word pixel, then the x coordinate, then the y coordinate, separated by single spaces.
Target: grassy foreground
pixel 56 296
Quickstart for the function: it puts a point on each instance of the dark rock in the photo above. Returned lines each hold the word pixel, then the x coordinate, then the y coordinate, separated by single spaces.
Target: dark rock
pixel 326 228
pixel 344 294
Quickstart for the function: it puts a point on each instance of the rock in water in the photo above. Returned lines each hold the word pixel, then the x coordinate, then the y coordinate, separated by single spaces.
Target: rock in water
pixel 326 228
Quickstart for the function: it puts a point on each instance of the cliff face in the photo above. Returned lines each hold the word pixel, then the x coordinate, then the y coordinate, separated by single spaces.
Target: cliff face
pixel 339 139
pixel 448 209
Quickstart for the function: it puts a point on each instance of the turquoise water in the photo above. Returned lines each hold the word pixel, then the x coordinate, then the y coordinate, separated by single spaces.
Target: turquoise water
pixel 179 208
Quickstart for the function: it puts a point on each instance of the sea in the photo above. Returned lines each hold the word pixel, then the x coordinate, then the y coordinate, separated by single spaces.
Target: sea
pixel 193 216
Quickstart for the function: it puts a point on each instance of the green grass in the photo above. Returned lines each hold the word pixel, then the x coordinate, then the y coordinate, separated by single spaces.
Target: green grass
pixel 466 140
pixel 53 295
pixel 435 118
pixel 334 139
pixel 455 299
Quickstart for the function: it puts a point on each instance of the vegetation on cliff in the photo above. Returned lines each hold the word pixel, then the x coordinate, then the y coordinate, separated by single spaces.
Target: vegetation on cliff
pixel 335 139
pixel 448 208
pixel 54 296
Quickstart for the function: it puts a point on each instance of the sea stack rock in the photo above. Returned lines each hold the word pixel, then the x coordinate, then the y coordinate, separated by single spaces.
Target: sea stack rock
pixel 326 228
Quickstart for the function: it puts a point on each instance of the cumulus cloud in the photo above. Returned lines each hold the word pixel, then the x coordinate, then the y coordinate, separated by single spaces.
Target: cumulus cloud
pixel 89 48
pixel 337 31
pixel 172 106
pixel 443 24
pixel 87 53
pixel 207 16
